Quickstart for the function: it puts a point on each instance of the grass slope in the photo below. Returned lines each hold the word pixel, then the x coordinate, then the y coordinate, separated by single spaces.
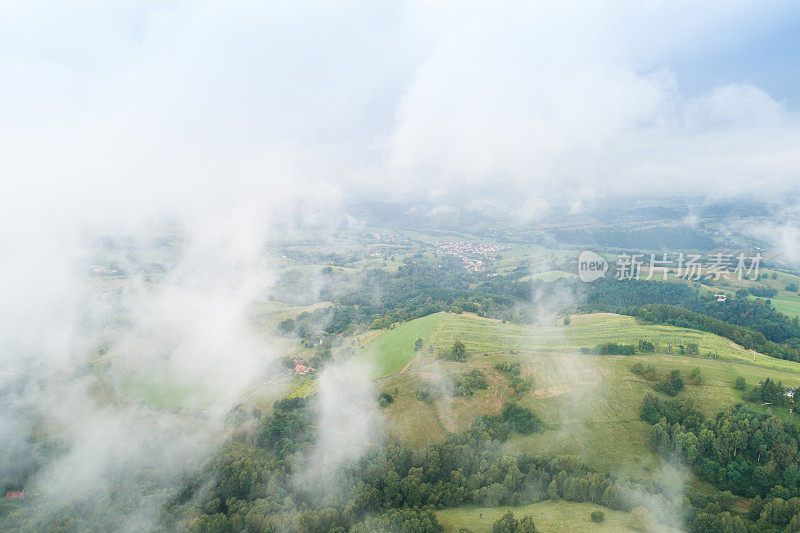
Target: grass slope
pixel 590 404
pixel 548 516
pixel 161 386
pixel 789 306
pixel 585 331
pixel 392 350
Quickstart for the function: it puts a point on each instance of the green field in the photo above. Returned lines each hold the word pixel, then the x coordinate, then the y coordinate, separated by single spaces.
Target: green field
pixel 787 302
pixel 587 403
pixel 279 311
pixel 788 306
pixel 160 386
pixel 590 404
pixel 390 265
pixel 392 350
pixel 548 516
pixel 586 331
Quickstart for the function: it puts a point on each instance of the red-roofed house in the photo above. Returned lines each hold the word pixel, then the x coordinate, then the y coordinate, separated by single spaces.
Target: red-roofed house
pixel 14 494
pixel 302 369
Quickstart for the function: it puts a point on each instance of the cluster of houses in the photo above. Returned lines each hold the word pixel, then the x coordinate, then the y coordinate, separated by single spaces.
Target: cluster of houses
pixel 388 238
pixel 301 368
pixel 472 254
pixel 18 495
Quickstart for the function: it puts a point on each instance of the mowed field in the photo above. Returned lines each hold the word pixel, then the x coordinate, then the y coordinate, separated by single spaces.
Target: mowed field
pixel 787 302
pixel 586 331
pixel 391 351
pixel 162 387
pixel 548 516
pixel 278 311
pixel 787 305
pixel 590 404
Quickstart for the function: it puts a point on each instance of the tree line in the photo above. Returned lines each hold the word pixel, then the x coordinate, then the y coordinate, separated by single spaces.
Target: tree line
pixel 739 452
pixel 249 485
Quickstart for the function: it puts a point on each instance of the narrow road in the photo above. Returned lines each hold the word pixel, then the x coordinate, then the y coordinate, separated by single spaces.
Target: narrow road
pixel 283 378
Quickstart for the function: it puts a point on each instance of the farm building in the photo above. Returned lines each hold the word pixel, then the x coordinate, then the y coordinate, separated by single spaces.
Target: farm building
pixel 301 368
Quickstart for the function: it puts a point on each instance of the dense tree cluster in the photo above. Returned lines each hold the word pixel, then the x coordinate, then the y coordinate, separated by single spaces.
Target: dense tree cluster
pixel 761 292
pixel 429 392
pixel 754 324
pixel 513 373
pixel 646 346
pixel 670 384
pixel 746 337
pixel 612 348
pixel 457 352
pixel 465 385
pixel 740 452
pixel 419 287
pixel 612 295
pixel 769 392
pixel 391 488
pixel 508 523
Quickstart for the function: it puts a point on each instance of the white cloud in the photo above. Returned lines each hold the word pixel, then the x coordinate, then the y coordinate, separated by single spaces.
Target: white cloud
pixel 552 98
pixel 129 103
pixel 115 114
pixel 733 106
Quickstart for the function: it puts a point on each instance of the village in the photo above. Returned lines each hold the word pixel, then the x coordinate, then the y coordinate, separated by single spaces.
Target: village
pixel 301 367
pixel 473 255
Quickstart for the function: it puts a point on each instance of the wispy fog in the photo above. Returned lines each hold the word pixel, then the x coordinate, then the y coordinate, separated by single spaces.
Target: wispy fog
pixel 224 128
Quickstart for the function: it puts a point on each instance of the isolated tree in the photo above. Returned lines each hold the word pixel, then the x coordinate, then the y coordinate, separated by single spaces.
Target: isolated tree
pixel 742 293
pixel 384 399
pixel 508 524
pixel 641 519
pixel 458 352
pixel 646 346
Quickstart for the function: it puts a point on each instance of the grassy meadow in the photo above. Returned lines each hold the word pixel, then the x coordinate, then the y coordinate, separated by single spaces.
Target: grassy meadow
pixel 548 516
pixel 391 351
pixel 589 404
pixel 586 331
pixel 789 306
pixel 161 386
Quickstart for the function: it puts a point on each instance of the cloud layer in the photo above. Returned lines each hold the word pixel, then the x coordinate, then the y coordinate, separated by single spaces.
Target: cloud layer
pixel 156 105
pixel 226 116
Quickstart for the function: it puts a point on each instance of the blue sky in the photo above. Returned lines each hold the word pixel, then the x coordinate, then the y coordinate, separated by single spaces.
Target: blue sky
pixel 765 54
pixel 399 98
